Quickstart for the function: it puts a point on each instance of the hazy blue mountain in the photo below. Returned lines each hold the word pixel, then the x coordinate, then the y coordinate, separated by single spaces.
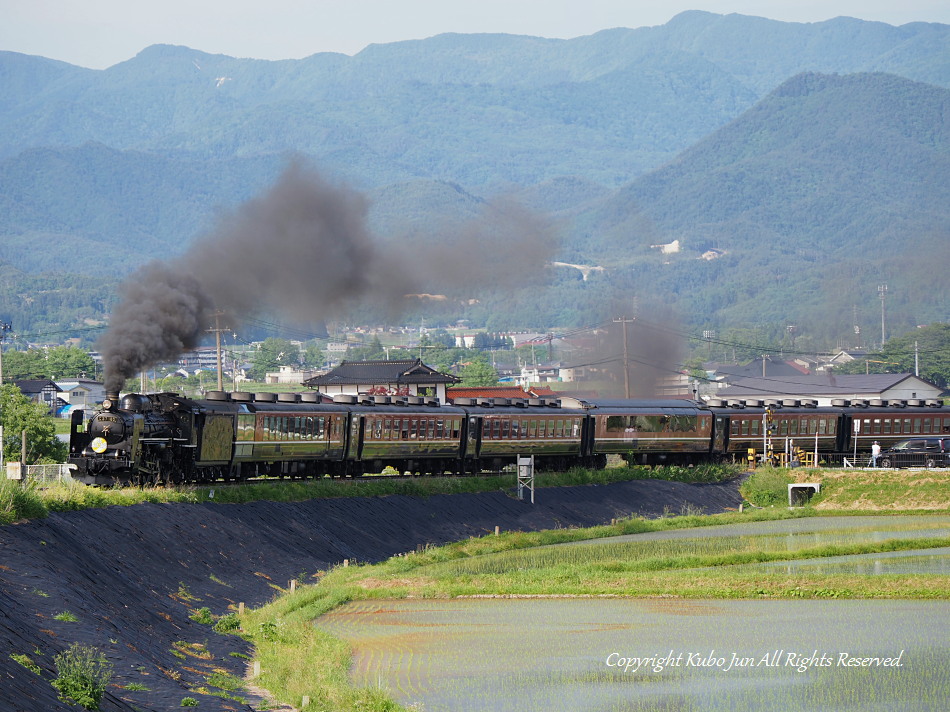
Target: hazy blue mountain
pixel 789 154
pixel 836 183
pixel 481 110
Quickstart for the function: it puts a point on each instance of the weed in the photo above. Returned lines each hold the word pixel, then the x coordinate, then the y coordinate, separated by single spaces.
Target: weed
pixel 20 502
pixel 26 662
pixel 202 615
pixel 240 655
pixel 38 592
pixel 82 673
pixel 270 630
pixel 137 687
pixel 225 681
pixel 66 616
pixel 189 702
pixel 227 623
pixel 219 581
pixel 184 593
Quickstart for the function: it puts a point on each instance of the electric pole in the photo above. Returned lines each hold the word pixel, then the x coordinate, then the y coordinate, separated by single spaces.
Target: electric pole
pixel 626 360
pixel 4 328
pixel 217 340
pixel 882 291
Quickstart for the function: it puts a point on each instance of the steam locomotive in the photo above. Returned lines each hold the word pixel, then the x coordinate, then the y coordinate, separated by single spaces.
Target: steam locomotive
pixel 165 438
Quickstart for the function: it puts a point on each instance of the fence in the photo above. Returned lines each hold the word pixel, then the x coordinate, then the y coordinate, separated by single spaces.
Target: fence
pixel 39 473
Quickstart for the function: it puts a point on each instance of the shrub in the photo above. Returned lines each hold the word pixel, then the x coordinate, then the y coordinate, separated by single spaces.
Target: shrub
pixel 202 615
pixel 227 623
pixel 82 673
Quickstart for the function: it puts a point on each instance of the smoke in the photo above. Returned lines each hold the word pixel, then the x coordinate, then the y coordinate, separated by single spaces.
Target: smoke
pixel 303 250
pixel 653 353
pixel 162 312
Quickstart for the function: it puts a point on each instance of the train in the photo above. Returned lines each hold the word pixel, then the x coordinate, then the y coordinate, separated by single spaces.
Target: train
pixel 165 438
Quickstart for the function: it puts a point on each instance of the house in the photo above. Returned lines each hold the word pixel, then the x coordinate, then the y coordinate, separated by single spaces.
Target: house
pixel 288 374
pixel 824 388
pixel 407 377
pixel 81 393
pixel 41 391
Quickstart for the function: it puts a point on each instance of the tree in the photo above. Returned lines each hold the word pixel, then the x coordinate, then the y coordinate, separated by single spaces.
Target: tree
pixel 69 362
pixel 479 373
pixel 272 354
pixel 313 356
pixel 929 345
pixel 21 365
pixel 19 413
pixel 373 352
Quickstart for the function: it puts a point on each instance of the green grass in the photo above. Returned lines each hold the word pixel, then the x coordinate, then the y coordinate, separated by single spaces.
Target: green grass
pixel 29 501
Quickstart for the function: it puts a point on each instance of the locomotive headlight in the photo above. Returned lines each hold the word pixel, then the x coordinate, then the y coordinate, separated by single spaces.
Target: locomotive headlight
pixel 99 445
pixel 107 404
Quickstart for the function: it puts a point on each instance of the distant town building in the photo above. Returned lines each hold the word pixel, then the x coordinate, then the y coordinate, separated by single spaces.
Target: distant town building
pixel 288 374
pixel 406 377
pixel 41 391
pixel 81 393
pixel 823 388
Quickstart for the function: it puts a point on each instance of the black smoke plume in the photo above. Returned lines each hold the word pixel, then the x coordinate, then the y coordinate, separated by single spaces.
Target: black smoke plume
pixel 303 250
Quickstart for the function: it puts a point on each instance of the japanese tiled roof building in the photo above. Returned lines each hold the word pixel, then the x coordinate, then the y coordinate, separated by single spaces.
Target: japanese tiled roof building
pixel 406 377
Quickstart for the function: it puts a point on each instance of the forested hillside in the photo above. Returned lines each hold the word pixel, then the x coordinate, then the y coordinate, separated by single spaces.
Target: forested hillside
pixel 807 162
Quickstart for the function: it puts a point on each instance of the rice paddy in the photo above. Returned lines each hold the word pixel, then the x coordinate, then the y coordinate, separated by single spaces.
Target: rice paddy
pixel 482 632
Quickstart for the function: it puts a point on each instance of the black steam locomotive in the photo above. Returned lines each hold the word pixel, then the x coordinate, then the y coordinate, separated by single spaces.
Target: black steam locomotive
pixel 165 438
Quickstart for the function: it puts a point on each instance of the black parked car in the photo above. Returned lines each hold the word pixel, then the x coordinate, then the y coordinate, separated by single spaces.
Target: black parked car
pixel 917 452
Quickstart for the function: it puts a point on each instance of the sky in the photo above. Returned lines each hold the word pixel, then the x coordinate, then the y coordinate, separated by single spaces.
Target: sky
pixel 101 33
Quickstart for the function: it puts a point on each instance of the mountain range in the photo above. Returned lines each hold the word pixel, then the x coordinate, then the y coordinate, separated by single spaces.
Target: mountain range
pixel 734 169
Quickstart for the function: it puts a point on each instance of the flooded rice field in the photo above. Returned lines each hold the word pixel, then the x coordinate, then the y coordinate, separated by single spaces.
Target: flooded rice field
pixel 625 655
pixel 582 654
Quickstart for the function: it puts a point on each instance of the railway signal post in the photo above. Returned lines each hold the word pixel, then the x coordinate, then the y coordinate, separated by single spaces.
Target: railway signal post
pixel 525 476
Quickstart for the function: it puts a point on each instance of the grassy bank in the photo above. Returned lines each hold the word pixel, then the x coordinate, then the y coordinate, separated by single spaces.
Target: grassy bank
pixel 854 490
pixel 32 500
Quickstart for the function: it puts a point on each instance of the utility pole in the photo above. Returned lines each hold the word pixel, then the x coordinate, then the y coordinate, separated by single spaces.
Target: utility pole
pixel 626 360
pixel 882 292
pixel 217 340
pixel 4 328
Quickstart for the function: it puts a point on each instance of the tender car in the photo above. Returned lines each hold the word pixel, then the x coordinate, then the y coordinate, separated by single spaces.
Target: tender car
pixel 917 452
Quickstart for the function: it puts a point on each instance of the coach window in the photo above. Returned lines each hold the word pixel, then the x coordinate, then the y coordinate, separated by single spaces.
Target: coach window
pixel 946 425
pixel 793 426
pixel 734 427
pixel 496 429
pixel 907 426
pixel 755 426
pixel 887 426
pixel 927 425
pixel 866 428
pixel 745 427
pixel 377 428
pixel 877 426
pixel 413 429
pixel 916 426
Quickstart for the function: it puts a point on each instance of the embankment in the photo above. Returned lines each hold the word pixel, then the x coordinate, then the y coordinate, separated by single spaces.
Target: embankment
pixel 133 576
